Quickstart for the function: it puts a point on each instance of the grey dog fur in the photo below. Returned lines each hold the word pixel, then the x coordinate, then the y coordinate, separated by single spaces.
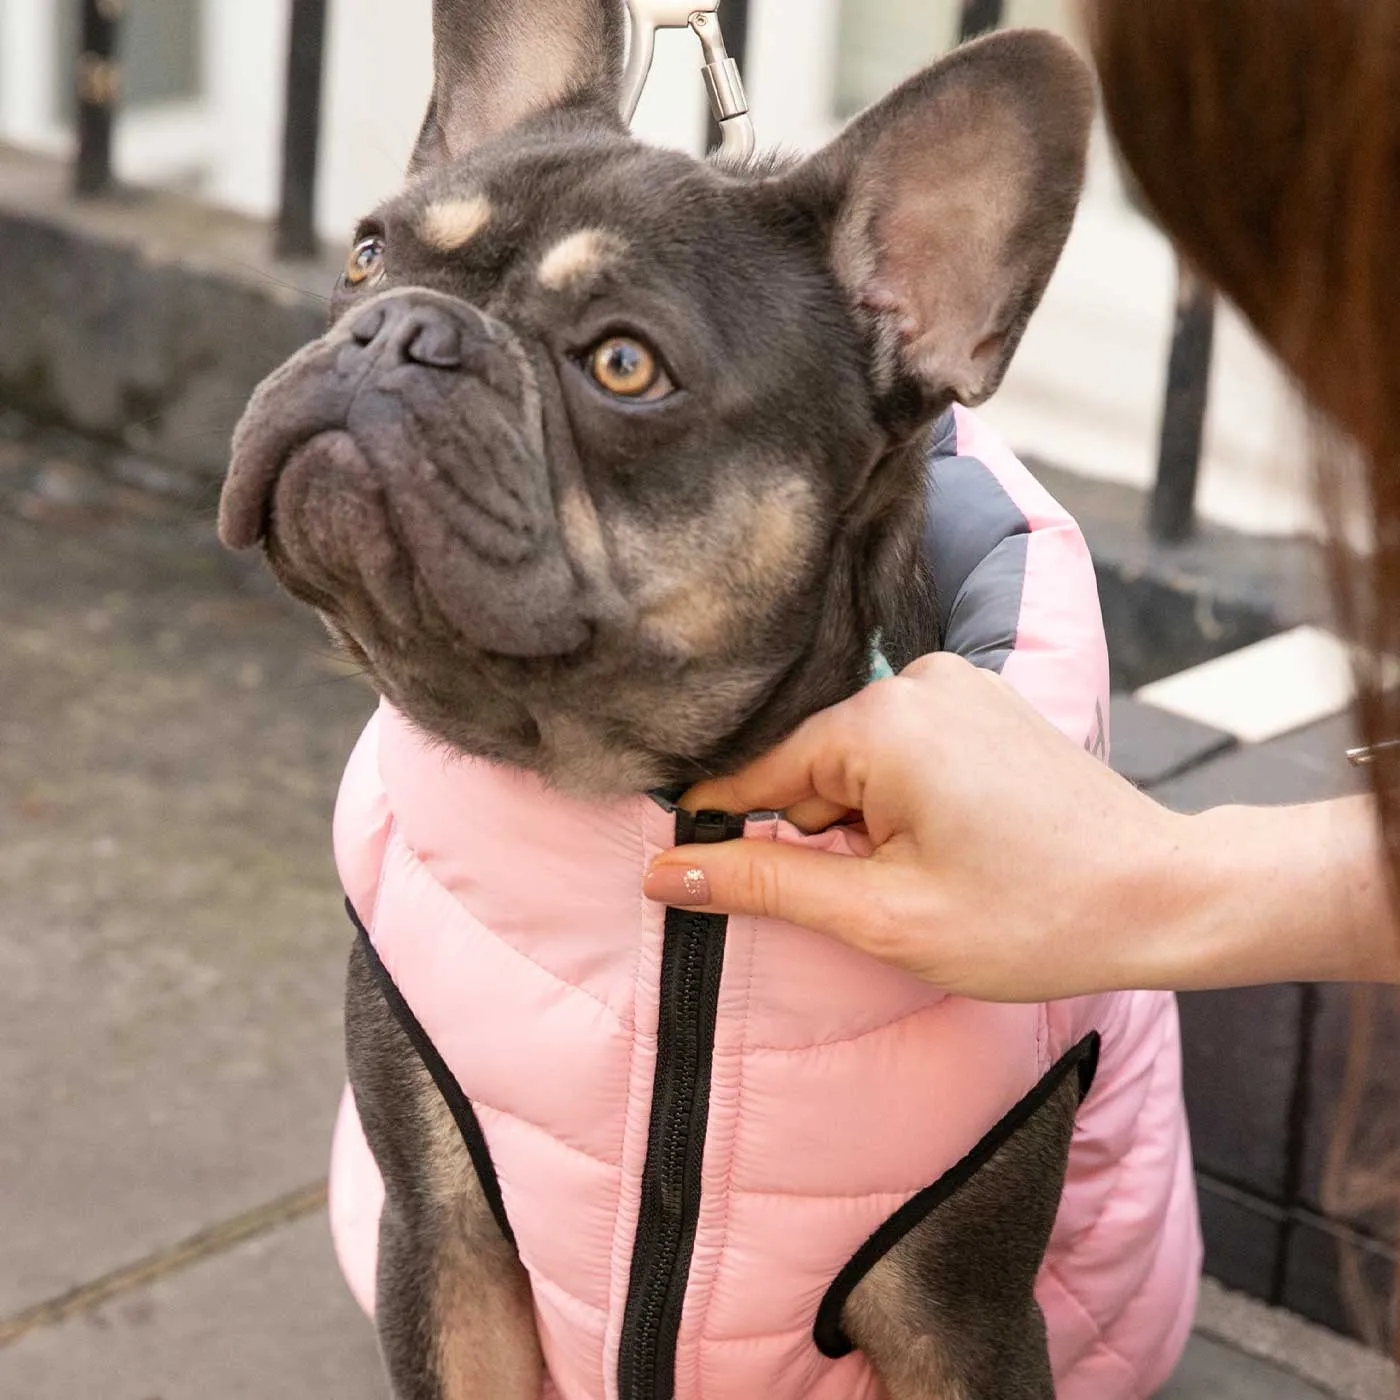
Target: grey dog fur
pixel 621 596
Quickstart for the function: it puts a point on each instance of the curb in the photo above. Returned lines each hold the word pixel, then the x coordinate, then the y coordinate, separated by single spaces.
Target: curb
pixel 144 320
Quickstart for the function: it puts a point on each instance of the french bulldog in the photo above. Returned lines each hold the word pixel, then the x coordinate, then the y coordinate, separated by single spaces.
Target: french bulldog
pixel 610 467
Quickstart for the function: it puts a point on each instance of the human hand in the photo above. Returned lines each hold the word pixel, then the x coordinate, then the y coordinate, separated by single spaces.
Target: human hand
pixel 1007 863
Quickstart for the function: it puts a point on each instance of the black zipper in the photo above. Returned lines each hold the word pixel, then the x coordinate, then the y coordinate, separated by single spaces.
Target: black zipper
pixel 692 961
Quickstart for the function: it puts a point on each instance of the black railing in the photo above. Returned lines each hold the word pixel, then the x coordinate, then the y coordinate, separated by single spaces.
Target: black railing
pixel 979 17
pixel 1173 507
pixel 301 129
pixel 99 85
pixel 1172 516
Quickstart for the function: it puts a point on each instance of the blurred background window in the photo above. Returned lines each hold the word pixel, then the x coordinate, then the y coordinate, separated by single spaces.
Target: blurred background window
pixel 162 54
pixel 881 42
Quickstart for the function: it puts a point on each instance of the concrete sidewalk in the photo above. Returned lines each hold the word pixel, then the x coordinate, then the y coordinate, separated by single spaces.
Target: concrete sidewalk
pixel 171 951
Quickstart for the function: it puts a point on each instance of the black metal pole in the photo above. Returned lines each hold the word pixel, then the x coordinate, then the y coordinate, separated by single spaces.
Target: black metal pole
pixel 99 84
pixel 734 22
pixel 301 133
pixel 979 17
pixel 1172 517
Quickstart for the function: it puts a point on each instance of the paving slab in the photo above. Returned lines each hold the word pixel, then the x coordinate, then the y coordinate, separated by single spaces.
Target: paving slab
pixel 268 1321
pixel 1340 1277
pixel 1308 765
pixel 171 941
pixel 1210 1370
pixel 1151 745
pixel 1240 1088
pixel 1267 1341
pixel 271 1320
pixel 1275 687
pixel 1245 1235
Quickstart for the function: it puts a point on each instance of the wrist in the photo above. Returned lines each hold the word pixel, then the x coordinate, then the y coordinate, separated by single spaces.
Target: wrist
pixel 1166 891
pixel 1238 896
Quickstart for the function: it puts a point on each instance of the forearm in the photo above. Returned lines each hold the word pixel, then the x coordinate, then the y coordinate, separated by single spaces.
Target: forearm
pixel 1251 895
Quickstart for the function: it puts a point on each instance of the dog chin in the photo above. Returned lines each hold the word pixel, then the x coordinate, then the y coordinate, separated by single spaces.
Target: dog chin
pixel 472 712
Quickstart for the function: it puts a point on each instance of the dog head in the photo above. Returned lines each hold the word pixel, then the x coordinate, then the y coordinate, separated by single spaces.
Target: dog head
pixel 609 463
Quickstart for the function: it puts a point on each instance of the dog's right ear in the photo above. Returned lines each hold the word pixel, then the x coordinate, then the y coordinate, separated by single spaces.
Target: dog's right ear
pixel 497 62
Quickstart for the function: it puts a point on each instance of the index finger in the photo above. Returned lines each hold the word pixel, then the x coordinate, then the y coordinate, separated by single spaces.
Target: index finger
pixel 809 769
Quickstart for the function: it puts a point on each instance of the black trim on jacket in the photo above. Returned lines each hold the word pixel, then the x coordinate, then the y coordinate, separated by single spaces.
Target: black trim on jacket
pixel 828 1333
pixel 458 1104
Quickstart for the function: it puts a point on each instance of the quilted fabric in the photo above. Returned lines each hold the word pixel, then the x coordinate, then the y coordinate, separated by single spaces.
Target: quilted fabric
pixel 511 920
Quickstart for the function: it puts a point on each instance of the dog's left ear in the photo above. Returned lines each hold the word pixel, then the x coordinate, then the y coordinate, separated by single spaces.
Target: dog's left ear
pixel 948 205
pixel 498 62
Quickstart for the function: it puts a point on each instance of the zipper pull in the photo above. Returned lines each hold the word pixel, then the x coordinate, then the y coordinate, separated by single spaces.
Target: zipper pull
pixel 708 828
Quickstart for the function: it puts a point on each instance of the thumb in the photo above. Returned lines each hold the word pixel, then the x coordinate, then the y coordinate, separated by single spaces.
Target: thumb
pixel 840 895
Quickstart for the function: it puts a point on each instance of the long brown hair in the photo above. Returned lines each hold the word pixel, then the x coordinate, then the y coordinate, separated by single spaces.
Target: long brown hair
pixel 1265 137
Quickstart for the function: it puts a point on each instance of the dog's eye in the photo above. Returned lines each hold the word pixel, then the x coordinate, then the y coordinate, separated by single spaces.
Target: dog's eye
pixel 366 261
pixel 628 369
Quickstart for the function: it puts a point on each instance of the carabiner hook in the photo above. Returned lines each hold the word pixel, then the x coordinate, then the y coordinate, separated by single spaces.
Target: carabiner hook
pixel 723 81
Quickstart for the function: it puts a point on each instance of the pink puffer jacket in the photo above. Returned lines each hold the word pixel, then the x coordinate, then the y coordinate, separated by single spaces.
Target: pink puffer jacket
pixel 697 1132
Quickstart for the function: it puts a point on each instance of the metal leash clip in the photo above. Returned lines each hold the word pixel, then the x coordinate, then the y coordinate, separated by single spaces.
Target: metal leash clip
pixel 1370 755
pixel 723 81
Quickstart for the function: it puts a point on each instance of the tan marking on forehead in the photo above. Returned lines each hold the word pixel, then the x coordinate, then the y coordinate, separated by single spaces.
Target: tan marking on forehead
pixel 451 224
pixel 579 256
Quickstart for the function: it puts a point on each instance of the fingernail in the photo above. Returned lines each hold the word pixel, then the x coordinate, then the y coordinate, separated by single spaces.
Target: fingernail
pixel 677 885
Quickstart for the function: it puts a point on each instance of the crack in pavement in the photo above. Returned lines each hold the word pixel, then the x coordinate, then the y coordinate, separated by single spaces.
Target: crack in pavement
pixel 217 1239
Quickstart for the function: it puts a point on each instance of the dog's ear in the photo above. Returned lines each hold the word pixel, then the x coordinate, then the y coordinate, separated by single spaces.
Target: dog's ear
pixel 948 205
pixel 497 62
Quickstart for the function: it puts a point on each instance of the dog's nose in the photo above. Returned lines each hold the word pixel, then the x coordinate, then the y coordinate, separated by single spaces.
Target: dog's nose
pixel 416 332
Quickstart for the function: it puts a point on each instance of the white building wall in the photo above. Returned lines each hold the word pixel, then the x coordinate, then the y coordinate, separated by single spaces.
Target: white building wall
pixel 27 65
pixel 1086 389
